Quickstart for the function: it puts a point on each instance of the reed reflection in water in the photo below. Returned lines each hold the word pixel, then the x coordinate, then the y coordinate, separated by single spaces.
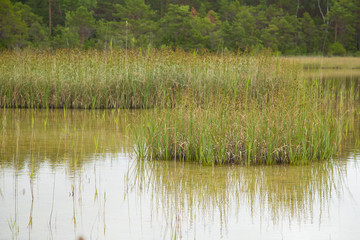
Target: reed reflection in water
pixel 74 176
pixel 269 196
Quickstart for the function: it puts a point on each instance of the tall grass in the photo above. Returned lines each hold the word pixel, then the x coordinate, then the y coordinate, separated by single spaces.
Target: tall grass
pixel 208 108
pixel 268 115
pixel 344 63
pixel 121 79
pixel 104 79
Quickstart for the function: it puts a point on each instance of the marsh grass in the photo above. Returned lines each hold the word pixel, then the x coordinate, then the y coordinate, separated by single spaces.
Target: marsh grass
pixel 344 63
pixel 123 79
pixel 271 114
pixel 96 79
pixel 207 108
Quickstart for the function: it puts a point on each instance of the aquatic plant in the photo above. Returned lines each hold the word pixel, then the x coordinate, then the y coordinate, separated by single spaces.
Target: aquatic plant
pixel 271 115
pixel 209 108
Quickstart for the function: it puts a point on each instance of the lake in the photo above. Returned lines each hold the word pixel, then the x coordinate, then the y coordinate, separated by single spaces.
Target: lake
pixel 66 174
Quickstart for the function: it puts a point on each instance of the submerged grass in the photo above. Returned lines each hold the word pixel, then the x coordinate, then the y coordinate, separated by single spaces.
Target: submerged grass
pixel 208 108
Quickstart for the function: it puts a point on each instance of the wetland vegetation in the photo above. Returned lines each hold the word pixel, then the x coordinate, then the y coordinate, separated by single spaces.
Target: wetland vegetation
pixel 72 173
pixel 157 119
pixel 207 108
pixel 221 109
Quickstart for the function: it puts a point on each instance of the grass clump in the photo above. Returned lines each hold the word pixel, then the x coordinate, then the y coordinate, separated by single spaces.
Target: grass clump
pixel 269 115
pixel 207 108
pixel 90 79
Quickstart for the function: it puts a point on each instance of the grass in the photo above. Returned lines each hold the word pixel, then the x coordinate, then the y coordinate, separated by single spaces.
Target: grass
pixel 208 108
pixel 348 63
pixel 268 115
pixel 93 79
pixel 294 131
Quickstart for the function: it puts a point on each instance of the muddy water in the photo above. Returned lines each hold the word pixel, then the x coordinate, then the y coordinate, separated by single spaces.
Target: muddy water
pixel 65 174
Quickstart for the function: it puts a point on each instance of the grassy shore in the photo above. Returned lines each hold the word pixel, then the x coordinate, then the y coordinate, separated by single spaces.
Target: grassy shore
pixel 344 63
pixel 92 79
pixel 208 108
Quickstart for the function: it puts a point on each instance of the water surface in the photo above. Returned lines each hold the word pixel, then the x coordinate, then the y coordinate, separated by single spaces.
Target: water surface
pixel 65 174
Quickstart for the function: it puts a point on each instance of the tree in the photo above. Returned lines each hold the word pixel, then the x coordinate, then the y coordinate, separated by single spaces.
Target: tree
pixel 111 33
pixel 228 10
pixel 226 33
pixel 105 9
pixel 34 31
pixel 356 22
pixel 309 33
pixel 81 23
pixel 138 19
pixel 293 27
pixel 244 29
pixel 11 25
pixel 341 15
pixel 19 26
pixel 176 27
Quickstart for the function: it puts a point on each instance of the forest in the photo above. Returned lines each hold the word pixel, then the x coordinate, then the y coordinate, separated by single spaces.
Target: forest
pixel 288 27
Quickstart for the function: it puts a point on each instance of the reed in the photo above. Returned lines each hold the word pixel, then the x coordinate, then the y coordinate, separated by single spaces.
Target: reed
pixel 344 63
pixel 269 116
pixel 100 79
pixel 207 108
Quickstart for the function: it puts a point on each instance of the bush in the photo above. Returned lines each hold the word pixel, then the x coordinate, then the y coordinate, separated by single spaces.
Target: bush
pixel 337 49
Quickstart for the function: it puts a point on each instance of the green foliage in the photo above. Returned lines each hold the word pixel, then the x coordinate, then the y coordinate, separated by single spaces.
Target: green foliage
pixel 243 29
pixel 10 24
pixel 81 25
pixel 302 27
pixel 337 49
pixel 20 27
pixel 309 33
pixel 176 28
pixel 114 32
pixel 34 32
pixel 138 19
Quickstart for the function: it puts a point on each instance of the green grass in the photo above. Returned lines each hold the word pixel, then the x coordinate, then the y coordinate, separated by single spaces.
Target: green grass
pixel 269 115
pixel 207 108
pixel 88 79
pixel 119 79
pixel 343 63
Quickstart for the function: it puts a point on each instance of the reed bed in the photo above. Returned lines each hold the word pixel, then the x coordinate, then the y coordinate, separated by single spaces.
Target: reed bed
pixel 88 79
pixel 270 115
pixel 107 79
pixel 207 108
pixel 279 133
pixel 344 63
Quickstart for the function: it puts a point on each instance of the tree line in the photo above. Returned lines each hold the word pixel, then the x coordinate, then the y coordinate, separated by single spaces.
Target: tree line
pixel 291 27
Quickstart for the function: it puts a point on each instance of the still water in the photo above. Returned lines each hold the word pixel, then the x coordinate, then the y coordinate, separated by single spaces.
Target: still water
pixel 71 173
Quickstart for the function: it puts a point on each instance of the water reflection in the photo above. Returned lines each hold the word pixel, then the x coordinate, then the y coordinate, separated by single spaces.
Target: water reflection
pixel 65 174
pixel 277 194
pixel 58 137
